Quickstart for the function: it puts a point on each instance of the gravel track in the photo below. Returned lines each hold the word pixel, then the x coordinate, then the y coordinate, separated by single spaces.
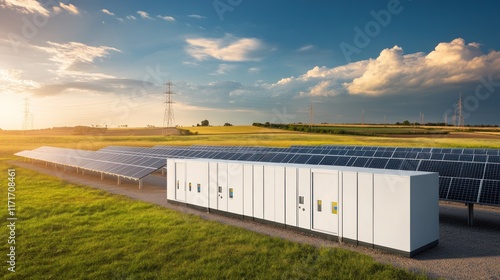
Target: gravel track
pixel 463 252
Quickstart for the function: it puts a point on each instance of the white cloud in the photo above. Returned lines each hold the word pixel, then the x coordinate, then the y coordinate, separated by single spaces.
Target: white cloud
pixel 25 6
pixel 72 56
pixel 105 11
pixel 69 8
pixel 196 16
pixel 11 81
pixel 167 18
pixel 144 15
pixel 306 48
pixel 223 69
pixel 394 72
pixel 253 70
pixel 131 18
pixel 228 48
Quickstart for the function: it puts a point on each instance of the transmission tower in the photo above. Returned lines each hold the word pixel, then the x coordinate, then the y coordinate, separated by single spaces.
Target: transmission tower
pixel 28 117
pixel 311 115
pixel 168 117
pixel 459 117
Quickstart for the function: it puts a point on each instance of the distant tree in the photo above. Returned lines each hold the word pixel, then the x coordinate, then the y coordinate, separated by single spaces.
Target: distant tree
pixel 406 122
pixel 204 123
pixel 228 124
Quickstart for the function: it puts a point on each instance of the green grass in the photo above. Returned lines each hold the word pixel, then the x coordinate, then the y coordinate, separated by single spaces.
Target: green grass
pixel 76 232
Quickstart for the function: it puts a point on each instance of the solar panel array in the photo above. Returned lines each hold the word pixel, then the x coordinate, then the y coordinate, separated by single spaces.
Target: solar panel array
pixel 129 166
pixel 465 175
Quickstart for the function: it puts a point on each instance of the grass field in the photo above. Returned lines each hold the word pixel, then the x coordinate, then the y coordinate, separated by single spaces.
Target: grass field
pixel 76 232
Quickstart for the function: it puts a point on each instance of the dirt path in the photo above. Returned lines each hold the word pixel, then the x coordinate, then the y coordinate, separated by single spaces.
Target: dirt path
pixel 463 252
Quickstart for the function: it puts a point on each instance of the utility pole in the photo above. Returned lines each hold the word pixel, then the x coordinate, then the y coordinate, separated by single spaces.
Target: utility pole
pixel 168 116
pixel 363 117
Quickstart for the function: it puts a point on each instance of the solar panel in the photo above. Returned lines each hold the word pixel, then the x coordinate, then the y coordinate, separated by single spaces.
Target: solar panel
pixel 315 159
pixel 409 164
pixel 495 159
pixel 459 169
pixel 444 187
pixel 342 161
pixel 472 170
pixel 490 192
pixel 328 160
pixel 465 190
pixel 377 163
pixel 492 171
pixel 360 162
pixel 301 159
pixel 394 164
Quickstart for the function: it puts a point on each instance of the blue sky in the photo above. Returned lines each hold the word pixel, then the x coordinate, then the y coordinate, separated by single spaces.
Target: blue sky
pixel 240 61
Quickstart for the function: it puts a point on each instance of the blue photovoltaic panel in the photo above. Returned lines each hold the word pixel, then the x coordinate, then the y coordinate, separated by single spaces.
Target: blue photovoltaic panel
pixel 267 157
pixel 466 158
pixel 490 192
pixel 437 156
pixel 378 163
pixel 472 170
pixel 301 159
pixel 279 157
pixel 360 162
pixel 453 157
pixel 495 159
pixel 480 158
pixel 465 190
pixel 383 154
pixel 424 155
pixel 492 171
pixel 444 187
pixel 328 160
pixel 409 164
pixel 315 159
pixel 399 154
pixel 394 164
pixel 342 161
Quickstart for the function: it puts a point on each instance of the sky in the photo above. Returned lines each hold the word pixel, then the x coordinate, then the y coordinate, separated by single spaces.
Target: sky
pixel 67 63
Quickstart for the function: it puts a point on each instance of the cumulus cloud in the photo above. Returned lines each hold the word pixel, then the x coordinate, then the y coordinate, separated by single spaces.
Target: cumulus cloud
pixel 105 11
pixel 228 48
pixel 69 8
pixel 131 18
pixel 166 18
pixel 144 15
pixel 394 72
pixel 25 6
